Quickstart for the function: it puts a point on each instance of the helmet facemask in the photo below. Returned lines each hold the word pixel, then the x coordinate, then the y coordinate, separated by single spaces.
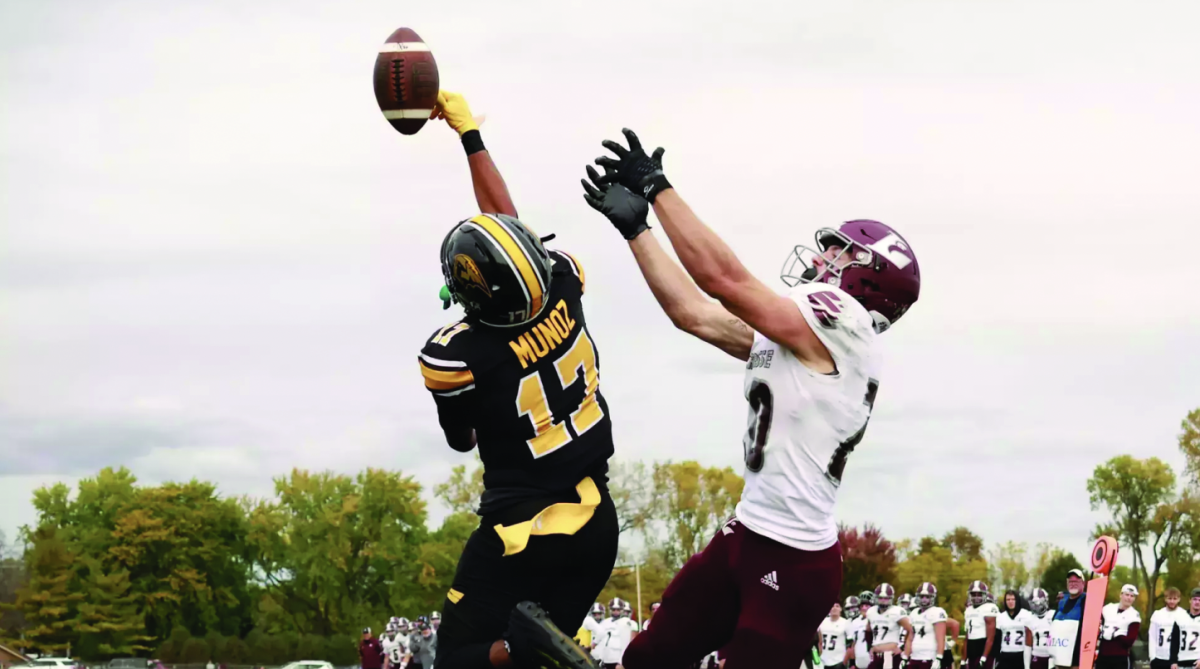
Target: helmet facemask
pixel 813 266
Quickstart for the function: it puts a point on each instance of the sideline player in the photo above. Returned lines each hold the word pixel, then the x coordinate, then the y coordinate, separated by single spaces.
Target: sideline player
pixel 832 635
pixel 1013 626
pixel 518 376
pixel 1165 632
pixel 887 623
pixel 394 649
pixel 859 651
pixel 905 602
pixel 929 630
pixel 615 633
pixel 1039 606
pixel 980 618
pixel 774 570
pixel 1121 622
pixel 1189 628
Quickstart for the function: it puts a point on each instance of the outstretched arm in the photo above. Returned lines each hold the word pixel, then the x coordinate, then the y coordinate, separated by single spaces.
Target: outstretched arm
pixel 685 305
pixel 718 272
pixel 491 193
pixel 709 261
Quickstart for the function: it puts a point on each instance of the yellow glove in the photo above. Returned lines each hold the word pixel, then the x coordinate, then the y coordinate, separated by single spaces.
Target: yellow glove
pixel 453 108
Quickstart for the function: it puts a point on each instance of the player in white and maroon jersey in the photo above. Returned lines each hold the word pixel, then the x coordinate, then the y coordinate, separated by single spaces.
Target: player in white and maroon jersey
pixel 812 371
pixel 1039 627
pixel 1121 622
pixel 1013 629
pixel 929 630
pixel 1189 628
pixel 858 651
pixel 980 618
pixel 885 621
pixel 905 602
pixel 831 636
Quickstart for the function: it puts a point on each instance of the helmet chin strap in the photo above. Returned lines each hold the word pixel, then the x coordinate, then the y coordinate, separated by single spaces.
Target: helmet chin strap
pixel 881 322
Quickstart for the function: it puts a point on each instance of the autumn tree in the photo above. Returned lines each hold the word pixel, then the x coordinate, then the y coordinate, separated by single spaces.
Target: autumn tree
pixel 12 579
pixel 109 622
pixel 691 504
pixel 933 562
pixel 632 486
pixel 49 602
pixel 462 492
pixel 331 547
pixel 964 544
pixel 868 559
pixel 1007 567
pixel 1189 445
pixel 1148 518
pixel 1054 578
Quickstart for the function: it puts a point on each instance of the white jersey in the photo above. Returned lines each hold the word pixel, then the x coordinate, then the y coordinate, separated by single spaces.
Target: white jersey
pixel 614 635
pixel 1164 625
pixel 1011 630
pixel 1040 627
pixel 804 424
pixel 833 640
pixel 976 618
pixel 394 650
pixel 1189 635
pixel 924 643
pixel 1114 622
pixel 856 636
pixel 885 625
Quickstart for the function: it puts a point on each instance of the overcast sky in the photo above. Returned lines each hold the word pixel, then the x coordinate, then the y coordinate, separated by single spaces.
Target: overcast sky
pixel 217 260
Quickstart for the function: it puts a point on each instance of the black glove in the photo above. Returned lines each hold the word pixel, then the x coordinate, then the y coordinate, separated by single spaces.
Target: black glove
pixel 635 170
pixel 625 210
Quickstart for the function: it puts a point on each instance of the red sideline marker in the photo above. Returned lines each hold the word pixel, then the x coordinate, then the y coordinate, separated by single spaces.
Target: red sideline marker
pixel 1104 558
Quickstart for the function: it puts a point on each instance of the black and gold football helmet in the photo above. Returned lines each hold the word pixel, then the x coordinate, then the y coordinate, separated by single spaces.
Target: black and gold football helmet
pixel 497 269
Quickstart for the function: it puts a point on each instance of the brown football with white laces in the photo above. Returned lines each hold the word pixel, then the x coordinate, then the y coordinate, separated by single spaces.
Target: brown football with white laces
pixel 406 81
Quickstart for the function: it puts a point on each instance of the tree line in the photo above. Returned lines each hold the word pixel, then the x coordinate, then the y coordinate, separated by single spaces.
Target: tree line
pixel 181 573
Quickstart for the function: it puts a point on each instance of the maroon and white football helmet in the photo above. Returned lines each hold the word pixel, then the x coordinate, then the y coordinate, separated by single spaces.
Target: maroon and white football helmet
pixel 978 590
pixel 881 272
pixel 884 594
pixel 926 595
pixel 1039 601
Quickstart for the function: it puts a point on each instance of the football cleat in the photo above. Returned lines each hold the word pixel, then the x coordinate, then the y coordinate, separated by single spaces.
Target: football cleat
pixel 534 642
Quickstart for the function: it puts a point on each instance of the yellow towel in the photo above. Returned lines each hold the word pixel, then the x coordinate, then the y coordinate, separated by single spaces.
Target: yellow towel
pixel 561 518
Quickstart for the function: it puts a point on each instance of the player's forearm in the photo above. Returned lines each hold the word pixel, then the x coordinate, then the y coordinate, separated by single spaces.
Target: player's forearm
pixel 675 292
pixel 708 259
pixel 491 193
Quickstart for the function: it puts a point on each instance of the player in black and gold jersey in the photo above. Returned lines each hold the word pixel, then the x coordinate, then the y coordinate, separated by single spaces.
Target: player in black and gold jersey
pixel 518 377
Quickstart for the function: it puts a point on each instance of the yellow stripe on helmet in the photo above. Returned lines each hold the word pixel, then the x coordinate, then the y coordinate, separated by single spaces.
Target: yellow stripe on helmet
pixel 518 259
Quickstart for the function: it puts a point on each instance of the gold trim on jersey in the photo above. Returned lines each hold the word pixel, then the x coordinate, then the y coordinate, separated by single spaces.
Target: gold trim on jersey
pixel 436 379
pixel 578 270
pixel 517 258
pixel 454 596
pixel 562 518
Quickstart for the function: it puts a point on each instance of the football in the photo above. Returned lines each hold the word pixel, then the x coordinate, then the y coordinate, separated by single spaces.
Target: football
pixel 406 81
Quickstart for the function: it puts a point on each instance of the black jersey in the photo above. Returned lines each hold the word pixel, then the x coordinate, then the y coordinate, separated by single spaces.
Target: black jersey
pixel 531 392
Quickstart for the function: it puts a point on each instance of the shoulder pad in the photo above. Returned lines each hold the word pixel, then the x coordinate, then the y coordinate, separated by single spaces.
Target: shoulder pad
pixel 566 263
pixel 441 362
